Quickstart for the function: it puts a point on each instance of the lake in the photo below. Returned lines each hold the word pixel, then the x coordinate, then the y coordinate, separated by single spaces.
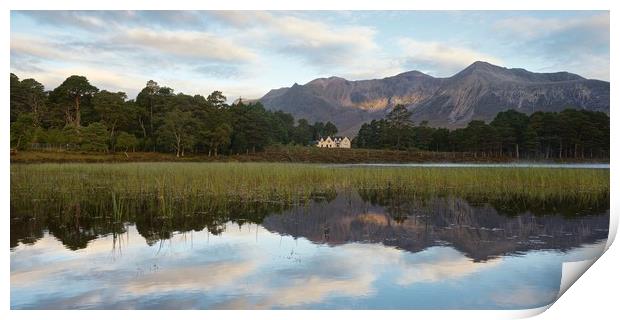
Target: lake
pixel 482 165
pixel 348 249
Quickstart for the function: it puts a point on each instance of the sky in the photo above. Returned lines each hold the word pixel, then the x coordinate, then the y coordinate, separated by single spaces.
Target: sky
pixel 247 53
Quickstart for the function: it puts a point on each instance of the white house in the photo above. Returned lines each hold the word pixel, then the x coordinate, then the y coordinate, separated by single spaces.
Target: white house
pixel 326 143
pixel 342 142
pixel 336 142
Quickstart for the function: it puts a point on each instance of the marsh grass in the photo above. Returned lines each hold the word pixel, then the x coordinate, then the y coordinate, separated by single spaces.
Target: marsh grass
pixel 196 187
pixel 117 208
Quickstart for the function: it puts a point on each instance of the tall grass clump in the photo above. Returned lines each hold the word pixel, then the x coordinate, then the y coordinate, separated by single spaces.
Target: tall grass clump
pixel 118 208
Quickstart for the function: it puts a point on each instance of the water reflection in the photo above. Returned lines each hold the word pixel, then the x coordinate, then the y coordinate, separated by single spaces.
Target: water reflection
pixel 480 232
pixel 348 250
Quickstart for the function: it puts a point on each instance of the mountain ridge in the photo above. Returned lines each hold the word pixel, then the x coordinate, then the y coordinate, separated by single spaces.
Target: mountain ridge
pixel 477 92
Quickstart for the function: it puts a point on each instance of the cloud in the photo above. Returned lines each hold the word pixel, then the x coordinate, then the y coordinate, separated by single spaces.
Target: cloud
pixel 208 54
pixel 219 71
pixel 237 19
pixel 321 44
pixel 315 289
pixel 220 49
pixel 597 26
pixel 347 272
pixel 130 35
pixel 188 44
pixel 209 276
pixel 82 19
pixel 439 58
pixel 124 59
pixel 593 66
pixel 577 44
pixel 36 48
pixel 228 264
pixel 315 42
pixel 435 264
pixel 524 296
pixel 350 51
pixel 112 80
pixel 172 19
pixel 104 20
pixel 444 264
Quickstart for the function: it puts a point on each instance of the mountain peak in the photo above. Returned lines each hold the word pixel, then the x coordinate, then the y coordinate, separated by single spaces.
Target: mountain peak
pixel 480 63
pixel 491 72
pixel 411 74
pixel 483 66
pixel 323 81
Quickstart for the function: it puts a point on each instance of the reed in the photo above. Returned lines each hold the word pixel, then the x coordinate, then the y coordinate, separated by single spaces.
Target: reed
pixel 117 208
pixel 173 186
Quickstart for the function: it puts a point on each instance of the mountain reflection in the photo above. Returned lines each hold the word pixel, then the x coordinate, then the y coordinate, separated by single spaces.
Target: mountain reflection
pixel 480 230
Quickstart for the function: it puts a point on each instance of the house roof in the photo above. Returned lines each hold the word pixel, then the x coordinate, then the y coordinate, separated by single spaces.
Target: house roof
pixel 338 138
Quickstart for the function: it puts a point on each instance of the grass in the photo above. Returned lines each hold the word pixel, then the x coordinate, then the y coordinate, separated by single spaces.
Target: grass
pixel 191 186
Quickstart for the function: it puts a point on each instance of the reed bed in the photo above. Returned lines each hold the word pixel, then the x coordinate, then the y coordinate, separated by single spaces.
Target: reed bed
pixel 174 185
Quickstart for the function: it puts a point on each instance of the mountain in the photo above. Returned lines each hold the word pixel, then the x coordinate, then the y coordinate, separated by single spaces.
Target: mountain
pixel 478 92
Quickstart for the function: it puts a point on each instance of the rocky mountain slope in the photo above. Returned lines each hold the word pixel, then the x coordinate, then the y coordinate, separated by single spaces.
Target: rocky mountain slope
pixel 478 92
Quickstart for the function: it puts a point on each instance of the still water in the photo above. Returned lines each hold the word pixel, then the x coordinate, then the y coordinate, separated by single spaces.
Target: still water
pixel 341 252
pixel 483 165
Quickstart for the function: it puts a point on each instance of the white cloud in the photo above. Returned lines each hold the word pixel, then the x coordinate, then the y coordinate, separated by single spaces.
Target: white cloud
pixel 588 65
pixel 27 45
pixel 81 19
pixel 446 264
pixel 532 27
pixel 112 80
pixel 349 51
pixel 307 34
pixel 209 276
pixel 439 58
pixel 245 53
pixel 315 289
pixel 237 19
pixel 189 44
pixel 576 44
pixel 524 296
pixel 98 21
pixel 322 44
pixel 207 62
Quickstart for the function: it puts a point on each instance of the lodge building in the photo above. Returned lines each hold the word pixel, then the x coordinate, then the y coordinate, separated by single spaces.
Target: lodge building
pixel 336 142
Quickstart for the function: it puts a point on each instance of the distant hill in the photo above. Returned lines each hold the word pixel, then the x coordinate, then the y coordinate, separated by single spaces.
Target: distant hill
pixel 478 92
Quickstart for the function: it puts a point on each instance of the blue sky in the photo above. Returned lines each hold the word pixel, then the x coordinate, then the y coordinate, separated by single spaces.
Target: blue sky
pixel 247 53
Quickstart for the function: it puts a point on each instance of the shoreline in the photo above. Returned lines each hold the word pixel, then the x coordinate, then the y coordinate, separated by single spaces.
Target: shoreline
pixel 293 155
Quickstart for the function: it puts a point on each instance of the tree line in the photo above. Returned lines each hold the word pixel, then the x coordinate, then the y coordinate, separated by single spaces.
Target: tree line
pixel 567 134
pixel 80 116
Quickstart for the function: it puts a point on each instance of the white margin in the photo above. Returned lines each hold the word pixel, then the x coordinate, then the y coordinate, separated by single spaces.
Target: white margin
pixel 585 303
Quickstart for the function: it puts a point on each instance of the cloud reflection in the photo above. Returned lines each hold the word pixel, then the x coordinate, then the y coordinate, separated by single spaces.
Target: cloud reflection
pixel 252 268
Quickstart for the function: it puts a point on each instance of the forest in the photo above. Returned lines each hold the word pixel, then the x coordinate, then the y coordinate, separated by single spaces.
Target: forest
pixel 79 116
pixel 570 133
